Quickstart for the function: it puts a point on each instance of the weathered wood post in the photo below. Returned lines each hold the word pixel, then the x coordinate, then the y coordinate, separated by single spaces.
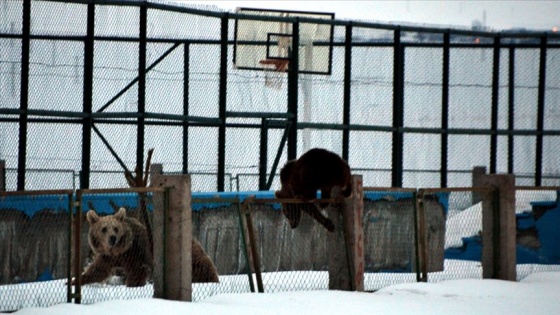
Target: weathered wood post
pixel 498 228
pixel 173 238
pixel 346 243
pixel 478 172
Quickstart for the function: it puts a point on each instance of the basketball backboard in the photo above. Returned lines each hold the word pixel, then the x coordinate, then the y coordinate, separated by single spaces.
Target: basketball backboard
pixel 267 45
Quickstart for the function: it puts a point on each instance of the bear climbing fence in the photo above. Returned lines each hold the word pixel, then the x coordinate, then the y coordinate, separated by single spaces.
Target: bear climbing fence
pixel 409 106
pixel 409 235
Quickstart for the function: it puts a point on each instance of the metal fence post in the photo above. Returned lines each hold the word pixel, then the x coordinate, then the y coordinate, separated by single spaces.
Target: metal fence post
pixel 142 46
pixel 421 245
pixel 24 90
pixel 254 258
pixel 540 113
pixel 222 103
pixel 347 92
pixel 398 108
pixel 246 243
pixel 87 122
pixel 495 99
pixel 445 109
pixel 78 248
pixel 71 206
pixel 263 154
pixel 293 77
pixel 2 175
pixel 511 109
pixel 185 126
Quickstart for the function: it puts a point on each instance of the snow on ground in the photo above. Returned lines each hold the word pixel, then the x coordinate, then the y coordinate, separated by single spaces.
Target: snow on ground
pixel 538 293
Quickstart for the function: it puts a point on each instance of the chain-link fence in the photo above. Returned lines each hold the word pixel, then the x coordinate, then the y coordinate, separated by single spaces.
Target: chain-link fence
pixel 114 243
pixel 86 94
pixel 35 247
pixel 537 222
pixel 288 258
pixel 390 237
pixel 459 220
pixel 217 226
pixel 415 106
pixel 409 235
pixel 430 235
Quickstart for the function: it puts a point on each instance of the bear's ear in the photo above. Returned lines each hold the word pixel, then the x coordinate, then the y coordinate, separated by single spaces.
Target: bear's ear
pixel 92 217
pixel 121 214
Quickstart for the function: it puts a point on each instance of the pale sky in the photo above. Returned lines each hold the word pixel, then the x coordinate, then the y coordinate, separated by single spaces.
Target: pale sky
pixel 504 14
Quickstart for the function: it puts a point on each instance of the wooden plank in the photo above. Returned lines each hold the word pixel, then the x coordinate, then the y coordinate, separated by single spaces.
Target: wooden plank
pixel 499 230
pixel 173 278
pixel 346 243
pixel 353 209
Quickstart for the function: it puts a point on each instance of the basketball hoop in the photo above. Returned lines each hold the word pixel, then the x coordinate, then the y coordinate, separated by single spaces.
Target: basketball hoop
pixel 273 76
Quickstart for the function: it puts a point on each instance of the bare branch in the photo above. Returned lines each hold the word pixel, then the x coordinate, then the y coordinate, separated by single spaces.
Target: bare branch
pixel 147 169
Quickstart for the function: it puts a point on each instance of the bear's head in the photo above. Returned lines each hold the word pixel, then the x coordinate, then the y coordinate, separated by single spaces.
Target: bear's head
pixel 291 211
pixel 109 235
pixel 286 190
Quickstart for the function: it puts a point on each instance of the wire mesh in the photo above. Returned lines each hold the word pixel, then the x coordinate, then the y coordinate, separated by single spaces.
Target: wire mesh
pixel 425 168
pixel 369 157
pixel 291 259
pixel 423 82
pixel 465 149
pixel 72 14
pixel 10 51
pixel 188 81
pixel 50 64
pixel 112 75
pixel 552 91
pixel 462 226
pixel 114 263
pixel 34 242
pixel 389 237
pixel 52 166
pixel 217 226
pixel 537 218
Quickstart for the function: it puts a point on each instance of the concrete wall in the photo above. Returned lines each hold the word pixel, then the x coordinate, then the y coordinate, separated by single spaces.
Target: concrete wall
pixel 32 245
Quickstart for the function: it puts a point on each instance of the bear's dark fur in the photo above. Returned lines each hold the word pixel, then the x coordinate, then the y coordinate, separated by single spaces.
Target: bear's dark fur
pixel 118 241
pixel 317 169
pixel 203 269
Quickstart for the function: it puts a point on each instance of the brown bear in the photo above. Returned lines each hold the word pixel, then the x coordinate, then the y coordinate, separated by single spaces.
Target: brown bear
pixel 203 269
pixel 118 241
pixel 317 169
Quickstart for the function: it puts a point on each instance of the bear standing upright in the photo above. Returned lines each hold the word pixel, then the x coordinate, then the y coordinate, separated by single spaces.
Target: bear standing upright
pixel 118 241
pixel 317 169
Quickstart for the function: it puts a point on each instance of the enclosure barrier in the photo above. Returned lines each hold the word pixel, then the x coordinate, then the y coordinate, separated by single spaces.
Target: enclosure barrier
pixel 537 222
pixel 138 202
pixel 370 106
pixel 35 245
pixel 432 249
pixel 409 235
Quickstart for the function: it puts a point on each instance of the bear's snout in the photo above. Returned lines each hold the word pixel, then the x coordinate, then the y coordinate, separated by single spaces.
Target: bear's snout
pixel 112 240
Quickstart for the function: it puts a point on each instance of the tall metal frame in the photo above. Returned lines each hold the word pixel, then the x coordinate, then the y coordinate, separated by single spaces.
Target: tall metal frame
pixel 289 122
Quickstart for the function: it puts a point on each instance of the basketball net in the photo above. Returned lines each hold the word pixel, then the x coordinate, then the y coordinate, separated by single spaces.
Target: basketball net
pixel 274 75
